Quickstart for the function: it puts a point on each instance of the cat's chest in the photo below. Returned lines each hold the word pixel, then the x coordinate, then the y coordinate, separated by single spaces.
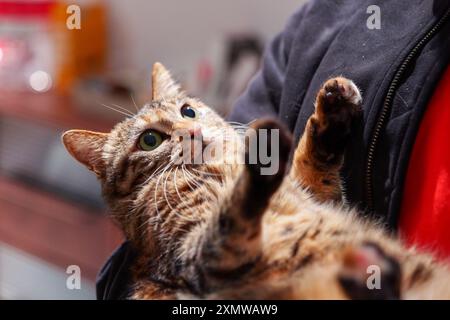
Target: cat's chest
pixel 296 229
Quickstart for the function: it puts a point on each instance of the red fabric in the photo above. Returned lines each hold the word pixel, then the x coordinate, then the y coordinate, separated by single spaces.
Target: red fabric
pixel 24 9
pixel 425 212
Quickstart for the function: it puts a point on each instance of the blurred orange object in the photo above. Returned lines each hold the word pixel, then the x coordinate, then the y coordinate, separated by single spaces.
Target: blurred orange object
pixel 39 50
pixel 80 52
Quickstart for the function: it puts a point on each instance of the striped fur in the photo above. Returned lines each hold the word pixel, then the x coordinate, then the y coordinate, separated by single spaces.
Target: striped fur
pixel 225 231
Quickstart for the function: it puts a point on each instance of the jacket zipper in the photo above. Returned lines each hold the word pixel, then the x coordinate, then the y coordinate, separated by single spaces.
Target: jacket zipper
pixel 385 111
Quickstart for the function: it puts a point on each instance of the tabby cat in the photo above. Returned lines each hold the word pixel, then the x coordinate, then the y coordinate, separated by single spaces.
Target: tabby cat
pixel 224 230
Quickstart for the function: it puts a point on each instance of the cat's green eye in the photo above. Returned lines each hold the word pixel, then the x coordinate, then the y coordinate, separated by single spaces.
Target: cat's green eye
pixel 150 140
pixel 188 112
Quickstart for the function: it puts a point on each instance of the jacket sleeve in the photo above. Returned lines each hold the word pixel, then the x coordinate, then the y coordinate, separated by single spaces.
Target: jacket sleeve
pixel 262 96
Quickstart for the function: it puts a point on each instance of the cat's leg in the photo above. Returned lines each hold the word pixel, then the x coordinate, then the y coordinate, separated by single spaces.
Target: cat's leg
pixel 229 246
pixel 319 154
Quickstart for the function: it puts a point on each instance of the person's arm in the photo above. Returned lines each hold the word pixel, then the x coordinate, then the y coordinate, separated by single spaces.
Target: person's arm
pixel 262 96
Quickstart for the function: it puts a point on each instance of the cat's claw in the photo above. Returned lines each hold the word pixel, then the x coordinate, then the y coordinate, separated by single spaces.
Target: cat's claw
pixel 342 90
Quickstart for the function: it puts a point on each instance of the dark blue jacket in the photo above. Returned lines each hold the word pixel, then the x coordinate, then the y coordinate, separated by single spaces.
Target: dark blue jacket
pixel 396 67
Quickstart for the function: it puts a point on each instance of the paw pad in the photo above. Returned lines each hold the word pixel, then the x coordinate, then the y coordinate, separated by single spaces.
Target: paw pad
pixel 342 89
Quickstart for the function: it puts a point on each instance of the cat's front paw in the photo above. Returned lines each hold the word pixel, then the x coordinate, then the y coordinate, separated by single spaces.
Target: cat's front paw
pixel 338 94
pixel 369 273
pixel 338 107
pixel 338 104
pixel 260 136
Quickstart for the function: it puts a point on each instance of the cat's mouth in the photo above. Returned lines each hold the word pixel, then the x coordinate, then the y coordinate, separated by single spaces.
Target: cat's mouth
pixel 197 148
pixel 190 150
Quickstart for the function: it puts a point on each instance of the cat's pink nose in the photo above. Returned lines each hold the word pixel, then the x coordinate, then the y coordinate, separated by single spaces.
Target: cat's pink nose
pixel 195 131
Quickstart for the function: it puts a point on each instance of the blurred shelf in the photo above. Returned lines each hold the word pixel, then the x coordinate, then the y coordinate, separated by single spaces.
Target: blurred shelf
pixel 42 223
pixel 51 110
pixel 54 230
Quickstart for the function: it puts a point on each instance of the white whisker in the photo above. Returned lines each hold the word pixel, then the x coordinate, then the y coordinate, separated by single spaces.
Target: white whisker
pixel 185 178
pixel 123 108
pixel 157 171
pixel 165 189
pixel 134 103
pixel 158 216
pixel 118 111
pixel 175 183
pixel 193 180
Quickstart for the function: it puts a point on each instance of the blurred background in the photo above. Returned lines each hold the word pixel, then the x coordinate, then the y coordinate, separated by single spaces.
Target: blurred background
pixel 58 73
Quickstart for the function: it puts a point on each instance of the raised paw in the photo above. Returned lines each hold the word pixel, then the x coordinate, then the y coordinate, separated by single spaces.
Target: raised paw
pixel 337 94
pixel 338 105
pixel 368 273
pixel 319 155
pixel 275 140
pixel 268 145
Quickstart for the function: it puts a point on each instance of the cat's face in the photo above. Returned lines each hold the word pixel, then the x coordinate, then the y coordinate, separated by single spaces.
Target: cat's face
pixel 152 161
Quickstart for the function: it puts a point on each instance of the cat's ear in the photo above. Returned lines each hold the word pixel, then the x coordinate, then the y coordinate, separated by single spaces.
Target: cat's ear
pixel 163 85
pixel 87 148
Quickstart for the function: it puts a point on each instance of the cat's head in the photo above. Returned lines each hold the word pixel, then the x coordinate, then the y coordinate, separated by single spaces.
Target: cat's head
pixel 152 163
